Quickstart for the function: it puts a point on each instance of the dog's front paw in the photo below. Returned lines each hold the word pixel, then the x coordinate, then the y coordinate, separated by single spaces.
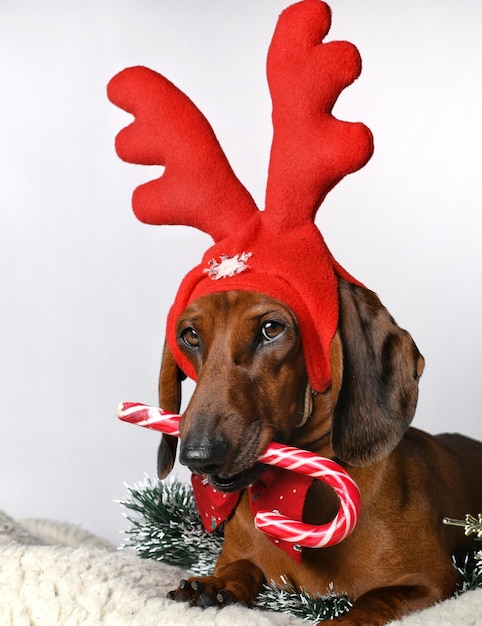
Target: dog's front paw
pixel 202 592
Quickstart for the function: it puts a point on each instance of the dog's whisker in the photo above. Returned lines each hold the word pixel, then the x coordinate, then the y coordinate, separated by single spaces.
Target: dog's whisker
pixel 269 424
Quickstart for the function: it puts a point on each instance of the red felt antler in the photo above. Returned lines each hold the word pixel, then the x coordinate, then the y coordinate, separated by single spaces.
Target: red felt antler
pixel 312 150
pixel 170 130
pixel 279 251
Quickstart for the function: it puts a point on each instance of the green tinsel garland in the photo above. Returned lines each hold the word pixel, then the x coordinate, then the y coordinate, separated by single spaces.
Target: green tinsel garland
pixel 167 527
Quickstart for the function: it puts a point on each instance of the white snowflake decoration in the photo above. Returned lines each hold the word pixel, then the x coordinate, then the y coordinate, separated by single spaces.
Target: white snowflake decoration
pixel 227 267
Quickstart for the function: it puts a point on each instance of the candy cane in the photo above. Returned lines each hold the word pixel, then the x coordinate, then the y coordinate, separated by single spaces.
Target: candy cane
pixel 293 459
pixel 326 470
pixel 149 417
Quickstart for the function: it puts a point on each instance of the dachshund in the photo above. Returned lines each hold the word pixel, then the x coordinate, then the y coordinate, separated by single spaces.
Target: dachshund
pixel 252 389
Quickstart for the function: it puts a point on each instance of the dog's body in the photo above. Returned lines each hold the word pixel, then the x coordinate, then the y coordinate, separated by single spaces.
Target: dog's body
pixel 255 376
pixel 251 390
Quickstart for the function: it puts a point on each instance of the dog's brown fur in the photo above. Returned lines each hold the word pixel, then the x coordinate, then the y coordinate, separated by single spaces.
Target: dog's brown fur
pixel 251 391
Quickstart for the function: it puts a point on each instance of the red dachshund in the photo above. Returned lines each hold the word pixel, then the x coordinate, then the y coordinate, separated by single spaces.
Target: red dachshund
pixel 246 350
pixel 256 358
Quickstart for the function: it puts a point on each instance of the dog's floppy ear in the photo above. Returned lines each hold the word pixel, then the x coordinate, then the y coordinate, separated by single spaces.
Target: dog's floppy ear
pixel 381 370
pixel 170 379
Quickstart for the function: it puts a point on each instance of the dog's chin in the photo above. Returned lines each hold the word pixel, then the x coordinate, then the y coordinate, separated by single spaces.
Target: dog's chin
pixel 237 482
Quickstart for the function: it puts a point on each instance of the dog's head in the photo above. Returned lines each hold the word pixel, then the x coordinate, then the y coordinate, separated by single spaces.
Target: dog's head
pixel 252 386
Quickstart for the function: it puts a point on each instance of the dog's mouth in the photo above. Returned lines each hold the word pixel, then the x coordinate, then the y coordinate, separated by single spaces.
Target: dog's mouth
pixel 237 482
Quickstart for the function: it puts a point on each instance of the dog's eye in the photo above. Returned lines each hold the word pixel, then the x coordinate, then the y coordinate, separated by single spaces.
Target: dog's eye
pixel 271 330
pixel 190 337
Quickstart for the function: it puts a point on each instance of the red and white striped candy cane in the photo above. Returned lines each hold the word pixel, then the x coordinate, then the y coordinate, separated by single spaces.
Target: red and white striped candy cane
pixel 293 459
pixel 149 417
pixel 326 470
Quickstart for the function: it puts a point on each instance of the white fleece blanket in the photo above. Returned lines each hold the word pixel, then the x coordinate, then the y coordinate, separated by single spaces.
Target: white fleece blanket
pixel 55 574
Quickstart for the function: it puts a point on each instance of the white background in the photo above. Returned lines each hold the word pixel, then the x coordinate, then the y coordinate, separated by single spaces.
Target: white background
pixel 85 288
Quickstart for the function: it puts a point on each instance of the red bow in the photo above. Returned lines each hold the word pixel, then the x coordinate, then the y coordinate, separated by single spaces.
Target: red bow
pixel 276 490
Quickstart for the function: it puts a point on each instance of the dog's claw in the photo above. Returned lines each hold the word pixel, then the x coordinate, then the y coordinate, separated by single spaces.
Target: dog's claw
pixel 183 593
pixel 224 598
pixel 197 585
pixel 204 595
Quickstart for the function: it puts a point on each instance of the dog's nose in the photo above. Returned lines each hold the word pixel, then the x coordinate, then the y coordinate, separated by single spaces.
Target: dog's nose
pixel 205 455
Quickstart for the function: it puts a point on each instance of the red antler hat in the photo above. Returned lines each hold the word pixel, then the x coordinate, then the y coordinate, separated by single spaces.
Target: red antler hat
pixel 279 251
